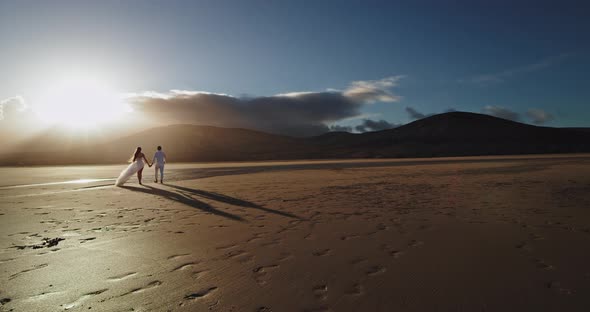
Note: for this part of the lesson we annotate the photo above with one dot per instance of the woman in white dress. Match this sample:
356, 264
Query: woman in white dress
136, 166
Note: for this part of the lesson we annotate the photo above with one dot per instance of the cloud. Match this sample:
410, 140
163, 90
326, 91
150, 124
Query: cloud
375, 125
339, 128
17, 120
16, 114
295, 113
501, 112
502, 76
13, 108
539, 116
415, 115
370, 91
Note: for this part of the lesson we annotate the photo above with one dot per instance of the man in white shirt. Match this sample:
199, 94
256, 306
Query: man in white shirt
159, 159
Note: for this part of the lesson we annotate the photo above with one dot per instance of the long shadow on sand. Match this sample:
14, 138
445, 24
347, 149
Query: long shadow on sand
183, 199
187, 195
230, 200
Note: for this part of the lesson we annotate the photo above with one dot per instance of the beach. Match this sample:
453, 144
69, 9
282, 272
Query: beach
504, 233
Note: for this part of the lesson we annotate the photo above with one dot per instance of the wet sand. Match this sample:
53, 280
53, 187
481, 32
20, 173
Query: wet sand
452, 234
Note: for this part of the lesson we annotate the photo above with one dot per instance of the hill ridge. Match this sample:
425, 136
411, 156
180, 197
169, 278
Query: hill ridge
447, 134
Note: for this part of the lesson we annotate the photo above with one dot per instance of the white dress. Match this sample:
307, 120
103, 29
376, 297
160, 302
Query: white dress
132, 169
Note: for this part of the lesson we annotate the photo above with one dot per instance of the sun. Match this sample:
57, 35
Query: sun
80, 102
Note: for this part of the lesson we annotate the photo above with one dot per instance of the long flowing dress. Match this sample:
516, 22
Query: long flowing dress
132, 169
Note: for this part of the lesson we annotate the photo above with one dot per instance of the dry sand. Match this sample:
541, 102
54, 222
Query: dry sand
464, 234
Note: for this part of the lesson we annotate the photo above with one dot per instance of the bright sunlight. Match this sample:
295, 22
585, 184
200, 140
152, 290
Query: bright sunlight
80, 102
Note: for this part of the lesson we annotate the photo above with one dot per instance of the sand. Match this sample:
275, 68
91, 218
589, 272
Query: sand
455, 234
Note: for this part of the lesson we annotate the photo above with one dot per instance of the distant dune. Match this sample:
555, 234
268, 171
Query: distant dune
448, 134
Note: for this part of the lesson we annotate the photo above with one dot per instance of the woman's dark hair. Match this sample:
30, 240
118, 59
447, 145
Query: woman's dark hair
134, 156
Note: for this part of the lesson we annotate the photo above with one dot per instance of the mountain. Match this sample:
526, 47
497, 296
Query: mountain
448, 134
460, 134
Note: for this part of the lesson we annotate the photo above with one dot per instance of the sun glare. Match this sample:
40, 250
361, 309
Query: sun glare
80, 102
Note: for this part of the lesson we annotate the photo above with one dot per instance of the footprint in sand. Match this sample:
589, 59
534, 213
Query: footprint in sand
83, 298
382, 227
218, 226
359, 261
200, 294
261, 273
142, 289
541, 264
284, 229
276, 241
235, 253
198, 274
246, 258
84, 240
323, 252
227, 247
37, 267
375, 270
294, 223
321, 292
396, 253
6, 260
121, 277
43, 295
349, 237
184, 266
356, 290
255, 238
284, 256
415, 243
177, 256
240, 255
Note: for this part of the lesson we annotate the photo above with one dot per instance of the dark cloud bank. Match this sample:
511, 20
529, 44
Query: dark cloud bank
415, 115
296, 114
539, 116
533, 115
375, 125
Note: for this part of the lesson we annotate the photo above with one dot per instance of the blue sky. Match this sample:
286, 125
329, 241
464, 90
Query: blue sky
463, 55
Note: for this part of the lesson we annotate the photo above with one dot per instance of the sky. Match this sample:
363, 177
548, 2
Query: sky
300, 67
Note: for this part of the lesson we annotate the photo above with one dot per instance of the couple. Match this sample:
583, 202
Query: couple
137, 165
